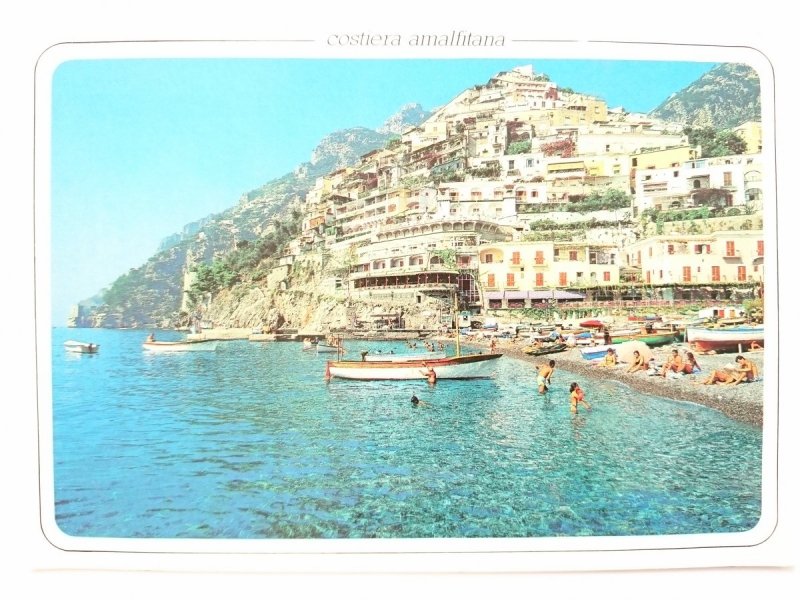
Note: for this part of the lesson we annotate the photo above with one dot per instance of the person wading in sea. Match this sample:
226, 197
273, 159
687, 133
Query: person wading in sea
576, 396
429, 373
545, 373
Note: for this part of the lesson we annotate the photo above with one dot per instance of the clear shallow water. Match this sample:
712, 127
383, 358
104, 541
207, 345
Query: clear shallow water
251, 442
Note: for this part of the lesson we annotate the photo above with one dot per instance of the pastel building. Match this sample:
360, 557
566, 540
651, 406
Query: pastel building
518, 274
726, 181
423, 260
719, 257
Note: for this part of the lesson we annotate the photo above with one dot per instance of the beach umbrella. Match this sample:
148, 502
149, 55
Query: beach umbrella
625, 351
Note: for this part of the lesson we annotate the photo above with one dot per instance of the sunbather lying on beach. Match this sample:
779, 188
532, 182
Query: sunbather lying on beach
717, 376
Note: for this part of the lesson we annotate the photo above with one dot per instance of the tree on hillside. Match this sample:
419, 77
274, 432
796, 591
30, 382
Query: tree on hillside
715, 142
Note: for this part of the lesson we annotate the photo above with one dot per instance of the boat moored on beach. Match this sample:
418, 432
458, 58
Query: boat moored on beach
724, 339
544, 349
595, 352
655, 338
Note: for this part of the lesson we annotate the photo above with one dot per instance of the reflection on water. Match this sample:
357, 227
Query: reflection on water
251, 442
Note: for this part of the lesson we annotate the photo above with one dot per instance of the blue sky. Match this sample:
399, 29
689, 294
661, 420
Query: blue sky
142, 147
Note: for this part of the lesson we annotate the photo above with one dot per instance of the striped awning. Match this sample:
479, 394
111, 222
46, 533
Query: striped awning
494, 295
515, 295
555, 294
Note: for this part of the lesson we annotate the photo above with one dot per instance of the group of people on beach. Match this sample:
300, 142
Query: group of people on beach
676, 365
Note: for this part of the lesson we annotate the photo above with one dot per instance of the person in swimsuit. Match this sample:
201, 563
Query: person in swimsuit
690, 364
610, 359
545, 373
638, 363
429, 373
674, 364
576, 396
718, 376
745, 370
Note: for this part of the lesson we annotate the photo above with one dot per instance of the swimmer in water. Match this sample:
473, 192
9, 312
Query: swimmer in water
577, 397
416, 401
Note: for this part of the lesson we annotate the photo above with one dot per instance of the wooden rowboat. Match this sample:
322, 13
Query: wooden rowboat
724, 339
470, 366
183, 346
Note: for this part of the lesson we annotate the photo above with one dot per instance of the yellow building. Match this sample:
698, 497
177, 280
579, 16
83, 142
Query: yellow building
517, 274
751, 133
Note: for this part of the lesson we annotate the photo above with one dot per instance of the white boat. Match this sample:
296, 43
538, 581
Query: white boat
328, 348
183, 346
407, 357
724, 339
81, 347
470, 366
595, 352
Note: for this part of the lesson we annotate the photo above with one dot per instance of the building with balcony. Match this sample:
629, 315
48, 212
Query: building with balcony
716, 258
718, 182
517, 274
424, 260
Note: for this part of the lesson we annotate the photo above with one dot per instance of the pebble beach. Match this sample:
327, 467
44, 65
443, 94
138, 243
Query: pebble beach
743, 402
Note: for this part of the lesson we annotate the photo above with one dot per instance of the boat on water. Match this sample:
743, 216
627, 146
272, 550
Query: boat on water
468, 366
403, 357
724, 339
81, 347
181, 346
327, 348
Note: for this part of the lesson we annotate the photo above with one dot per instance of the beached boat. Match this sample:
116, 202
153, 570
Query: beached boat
182, 346
403, 357
81, 347
656, 338
595, 352
544, 349
470, 366
724, 339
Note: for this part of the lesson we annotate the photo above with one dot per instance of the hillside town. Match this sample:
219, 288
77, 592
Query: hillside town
521, 195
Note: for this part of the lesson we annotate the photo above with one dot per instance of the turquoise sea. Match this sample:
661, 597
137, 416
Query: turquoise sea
251, 442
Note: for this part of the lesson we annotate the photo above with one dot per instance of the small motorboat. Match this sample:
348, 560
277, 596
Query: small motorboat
81, 347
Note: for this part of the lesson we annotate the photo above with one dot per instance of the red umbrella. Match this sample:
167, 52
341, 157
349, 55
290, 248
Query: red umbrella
592, 323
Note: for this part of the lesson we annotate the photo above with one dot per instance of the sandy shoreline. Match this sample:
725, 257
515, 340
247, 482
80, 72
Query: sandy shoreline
742, 402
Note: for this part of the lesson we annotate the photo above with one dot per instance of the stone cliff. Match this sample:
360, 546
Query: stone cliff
308, 296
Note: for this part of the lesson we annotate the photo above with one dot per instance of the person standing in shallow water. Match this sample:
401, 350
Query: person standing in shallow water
429, 373
545, 373
576, 396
